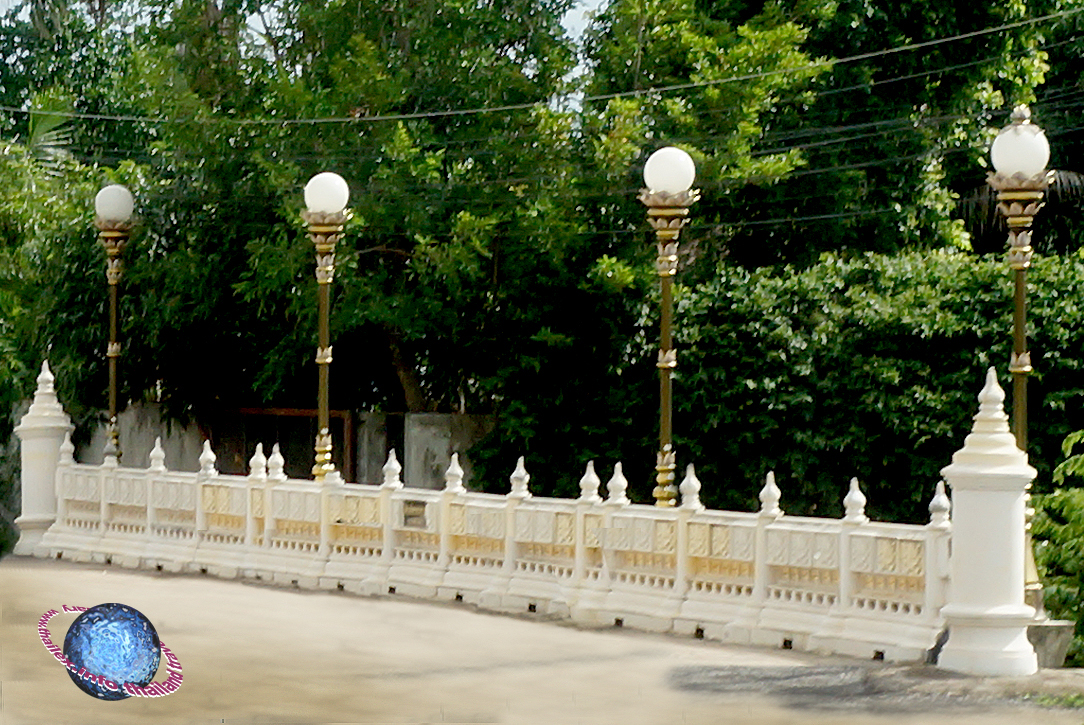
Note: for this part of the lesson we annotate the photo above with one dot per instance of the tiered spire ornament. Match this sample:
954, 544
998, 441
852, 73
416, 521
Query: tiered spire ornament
453, 477
158, 456
617, 488
940, 507
589, 484
207, 460
519, 480
257, 465
690, 490
986, 611
770, 496
391, 470
276, 465
854, 504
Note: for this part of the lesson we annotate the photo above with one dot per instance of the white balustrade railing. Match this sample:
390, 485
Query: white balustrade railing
845, 585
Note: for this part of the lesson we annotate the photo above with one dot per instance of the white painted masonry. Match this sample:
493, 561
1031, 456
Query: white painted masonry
849, 586
986, 614
40, 432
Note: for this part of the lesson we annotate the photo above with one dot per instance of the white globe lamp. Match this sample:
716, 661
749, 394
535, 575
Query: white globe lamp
326, 193
669, 170
114, 203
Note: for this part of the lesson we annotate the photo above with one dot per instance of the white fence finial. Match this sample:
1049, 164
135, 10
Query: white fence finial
990, 444
589, 484
392, 469
519, 479
67, 449
940, 506
854, 503
45, 407
690, 490
110, 454
45, 379
617, 487
257, 465
207, 460
276, 465
158, 456
770, 496
453, 477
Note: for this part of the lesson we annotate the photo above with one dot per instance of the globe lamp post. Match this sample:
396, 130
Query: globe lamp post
113, 208
326, 196
668, 176
1020, 154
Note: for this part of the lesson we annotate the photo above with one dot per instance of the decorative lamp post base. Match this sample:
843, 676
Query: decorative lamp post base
665, 491
323, 466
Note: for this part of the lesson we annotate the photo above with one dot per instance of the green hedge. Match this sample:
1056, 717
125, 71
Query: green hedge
865, 366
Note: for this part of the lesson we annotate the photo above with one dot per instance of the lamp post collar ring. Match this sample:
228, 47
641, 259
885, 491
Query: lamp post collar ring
666, 200
323, 221
1019, 182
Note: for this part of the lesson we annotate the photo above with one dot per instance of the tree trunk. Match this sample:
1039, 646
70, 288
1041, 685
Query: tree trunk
416, 399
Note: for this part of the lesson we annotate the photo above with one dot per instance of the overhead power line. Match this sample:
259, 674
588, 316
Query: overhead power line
537, 104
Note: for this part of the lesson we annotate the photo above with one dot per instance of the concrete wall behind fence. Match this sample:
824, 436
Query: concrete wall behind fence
425, 443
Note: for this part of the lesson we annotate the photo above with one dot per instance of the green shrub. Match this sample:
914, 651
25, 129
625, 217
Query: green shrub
864, 366
1058, 533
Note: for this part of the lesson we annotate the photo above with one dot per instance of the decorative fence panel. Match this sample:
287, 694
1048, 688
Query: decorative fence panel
846, 585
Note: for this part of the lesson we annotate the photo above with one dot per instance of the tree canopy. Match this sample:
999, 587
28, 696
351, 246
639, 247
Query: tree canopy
497, 259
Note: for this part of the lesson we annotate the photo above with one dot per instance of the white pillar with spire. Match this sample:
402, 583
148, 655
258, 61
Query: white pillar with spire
41, 433
986, 614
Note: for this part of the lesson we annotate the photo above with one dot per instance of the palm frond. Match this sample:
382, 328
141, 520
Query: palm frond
1064, 200
50, 138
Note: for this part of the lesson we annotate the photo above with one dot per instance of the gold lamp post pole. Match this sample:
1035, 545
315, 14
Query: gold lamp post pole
326, 195
113, 208
1020, 154
668, 175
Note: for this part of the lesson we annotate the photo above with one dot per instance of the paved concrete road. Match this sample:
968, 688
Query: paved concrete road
255, 654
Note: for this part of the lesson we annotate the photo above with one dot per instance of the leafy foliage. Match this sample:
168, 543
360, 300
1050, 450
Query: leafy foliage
861, 366
1058, 532
496, 260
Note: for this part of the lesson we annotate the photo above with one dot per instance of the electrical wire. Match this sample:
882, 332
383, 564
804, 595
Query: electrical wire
421, 115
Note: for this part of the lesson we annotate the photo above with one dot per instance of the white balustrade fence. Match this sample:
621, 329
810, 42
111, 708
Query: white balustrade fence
848, 585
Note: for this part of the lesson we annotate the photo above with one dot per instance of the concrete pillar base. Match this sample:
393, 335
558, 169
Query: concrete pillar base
991, 644
31, 531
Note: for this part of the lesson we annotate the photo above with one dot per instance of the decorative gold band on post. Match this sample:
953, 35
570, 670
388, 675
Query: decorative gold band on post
1020, 362
113, 270
665, 491
323, 465
667, 262
325, 268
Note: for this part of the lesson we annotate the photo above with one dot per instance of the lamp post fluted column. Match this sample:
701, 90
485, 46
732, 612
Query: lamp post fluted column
113, 208
669, 174
1020, 154
325, 195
